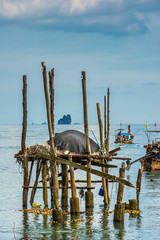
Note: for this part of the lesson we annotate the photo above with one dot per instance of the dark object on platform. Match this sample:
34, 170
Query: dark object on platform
74, 141
65, 120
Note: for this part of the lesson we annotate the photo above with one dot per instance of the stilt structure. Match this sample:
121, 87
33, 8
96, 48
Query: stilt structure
45, 159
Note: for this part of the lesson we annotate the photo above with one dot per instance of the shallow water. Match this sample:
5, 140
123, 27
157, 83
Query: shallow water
15, 224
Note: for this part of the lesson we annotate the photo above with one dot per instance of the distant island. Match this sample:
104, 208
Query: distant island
65, 120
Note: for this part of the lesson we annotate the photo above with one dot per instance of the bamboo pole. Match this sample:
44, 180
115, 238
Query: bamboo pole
23, 142
102, 147
54, 173
44, 182
51, 90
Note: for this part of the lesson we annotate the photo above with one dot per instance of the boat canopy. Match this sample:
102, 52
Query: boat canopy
125, 134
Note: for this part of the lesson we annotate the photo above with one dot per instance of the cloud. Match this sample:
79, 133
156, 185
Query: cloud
108, 17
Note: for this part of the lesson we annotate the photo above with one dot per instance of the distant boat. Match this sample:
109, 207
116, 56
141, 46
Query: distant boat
123, 137
151, 160
43, 123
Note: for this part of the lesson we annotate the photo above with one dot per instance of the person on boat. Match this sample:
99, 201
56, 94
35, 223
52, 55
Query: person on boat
129, 129
119, 134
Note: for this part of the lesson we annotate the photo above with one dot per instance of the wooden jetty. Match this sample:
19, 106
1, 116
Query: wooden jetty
45, 160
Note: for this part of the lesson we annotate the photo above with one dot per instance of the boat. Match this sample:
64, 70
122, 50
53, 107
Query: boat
124, 137
151, 161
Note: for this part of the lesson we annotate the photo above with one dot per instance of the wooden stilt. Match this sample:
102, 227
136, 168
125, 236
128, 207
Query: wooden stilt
74, 201
121, 186
23, 142
107, 139
51, 90
138, 184
88, 196
119, 206
65, 184
54, 172
38, 171
44, 182
105, 130
102, 147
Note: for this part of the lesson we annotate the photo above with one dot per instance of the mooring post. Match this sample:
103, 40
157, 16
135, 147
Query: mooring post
88, 195
44, 182
23, 143
74, 201
138, 184
57, 214
102, 148
64, 198
119, 206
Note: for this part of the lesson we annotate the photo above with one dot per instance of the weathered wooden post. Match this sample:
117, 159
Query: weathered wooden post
57, 214
23, 143
64, 199
74, 201
107, 138
51, 90
119, 206
38, 171
105, 116
102, 148
108, 122
138, 184
44, 182
88, 195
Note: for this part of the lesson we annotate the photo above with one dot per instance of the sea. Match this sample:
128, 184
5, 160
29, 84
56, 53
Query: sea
17, 224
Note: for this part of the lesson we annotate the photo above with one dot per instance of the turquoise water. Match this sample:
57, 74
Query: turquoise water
15, 224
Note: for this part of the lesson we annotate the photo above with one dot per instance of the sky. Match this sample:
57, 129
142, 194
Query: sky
116, 42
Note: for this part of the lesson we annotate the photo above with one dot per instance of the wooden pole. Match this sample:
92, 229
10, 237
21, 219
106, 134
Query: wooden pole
23, 142
121, 186
107, 139
105, 131
119, 206
88, 194
54, 173
102, 147
38, 171
51, 90
44, 182
65, 182
108, 121
24, 126
74, 201
138, 184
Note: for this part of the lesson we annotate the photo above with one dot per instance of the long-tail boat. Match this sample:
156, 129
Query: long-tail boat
124, 137
151, 161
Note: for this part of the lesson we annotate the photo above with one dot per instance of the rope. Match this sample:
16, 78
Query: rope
98, 143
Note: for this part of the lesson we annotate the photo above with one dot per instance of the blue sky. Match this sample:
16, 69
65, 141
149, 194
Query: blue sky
117, 43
